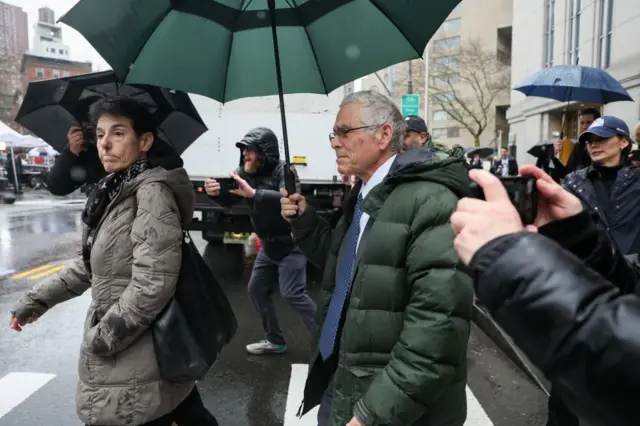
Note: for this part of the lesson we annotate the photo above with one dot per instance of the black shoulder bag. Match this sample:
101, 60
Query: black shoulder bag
192, 330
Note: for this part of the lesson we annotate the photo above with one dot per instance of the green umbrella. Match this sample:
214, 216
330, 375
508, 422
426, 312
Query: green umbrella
231, 49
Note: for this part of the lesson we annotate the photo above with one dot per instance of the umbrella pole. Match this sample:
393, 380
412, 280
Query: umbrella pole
289, 182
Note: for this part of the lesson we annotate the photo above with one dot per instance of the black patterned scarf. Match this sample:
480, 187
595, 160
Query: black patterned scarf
101, 196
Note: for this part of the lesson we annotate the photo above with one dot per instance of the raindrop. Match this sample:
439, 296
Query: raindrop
352, 52
262, 14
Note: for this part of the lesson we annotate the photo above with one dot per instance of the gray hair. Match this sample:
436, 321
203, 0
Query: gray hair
378, 109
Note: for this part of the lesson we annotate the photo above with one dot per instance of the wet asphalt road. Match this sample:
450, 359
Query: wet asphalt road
240, 390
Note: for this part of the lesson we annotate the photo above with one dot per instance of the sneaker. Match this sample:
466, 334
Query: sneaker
264, 347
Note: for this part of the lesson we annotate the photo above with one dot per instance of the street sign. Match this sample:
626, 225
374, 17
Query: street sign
410, 105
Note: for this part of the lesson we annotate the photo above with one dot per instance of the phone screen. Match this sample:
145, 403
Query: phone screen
522, 193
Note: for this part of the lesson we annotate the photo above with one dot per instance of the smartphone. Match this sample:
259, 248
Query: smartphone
522, 192
227, 184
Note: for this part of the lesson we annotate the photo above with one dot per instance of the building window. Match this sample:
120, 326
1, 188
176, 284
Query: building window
549, 32
441, 115
39, 72
445, 79
66, 73
444, 62
573, 42
606, 21
447, 43
445, 132
60, 51
452, 24
56, 73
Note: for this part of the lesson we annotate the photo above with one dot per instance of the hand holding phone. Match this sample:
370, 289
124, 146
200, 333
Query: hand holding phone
522, 192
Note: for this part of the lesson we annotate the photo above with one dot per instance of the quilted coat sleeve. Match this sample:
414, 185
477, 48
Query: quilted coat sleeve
71, 282
577, 327
432, 347
157, 256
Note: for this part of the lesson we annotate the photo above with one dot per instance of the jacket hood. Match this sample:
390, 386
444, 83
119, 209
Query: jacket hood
423, 164
265, 143
176, 179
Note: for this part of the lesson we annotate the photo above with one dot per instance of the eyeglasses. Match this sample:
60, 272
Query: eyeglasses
343, 132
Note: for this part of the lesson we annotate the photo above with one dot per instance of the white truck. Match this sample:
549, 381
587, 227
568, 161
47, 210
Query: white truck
310, 120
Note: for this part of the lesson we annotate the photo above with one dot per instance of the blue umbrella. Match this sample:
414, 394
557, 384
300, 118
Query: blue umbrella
567, 83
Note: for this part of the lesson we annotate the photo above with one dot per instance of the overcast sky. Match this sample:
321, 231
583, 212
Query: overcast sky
79, 48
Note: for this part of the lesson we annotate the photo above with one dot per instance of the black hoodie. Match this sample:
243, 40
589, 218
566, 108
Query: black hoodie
273, 230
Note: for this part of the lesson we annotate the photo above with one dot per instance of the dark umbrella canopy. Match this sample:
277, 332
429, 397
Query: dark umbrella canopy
541, 147
51, 107
224, 49
484, 152
567, 83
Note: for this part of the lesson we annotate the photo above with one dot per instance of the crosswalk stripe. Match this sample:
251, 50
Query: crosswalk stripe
476, 416
17, 387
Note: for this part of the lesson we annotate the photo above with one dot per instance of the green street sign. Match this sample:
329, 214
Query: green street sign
410, 105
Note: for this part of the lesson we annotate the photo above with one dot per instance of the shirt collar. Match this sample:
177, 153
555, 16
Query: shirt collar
377, 177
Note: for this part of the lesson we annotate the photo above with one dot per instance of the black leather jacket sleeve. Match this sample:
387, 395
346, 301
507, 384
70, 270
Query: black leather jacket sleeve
583, 237
577, 327
269, 199
71, 171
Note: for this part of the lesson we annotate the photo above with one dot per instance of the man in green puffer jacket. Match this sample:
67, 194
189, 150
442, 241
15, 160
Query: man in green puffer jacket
396, 304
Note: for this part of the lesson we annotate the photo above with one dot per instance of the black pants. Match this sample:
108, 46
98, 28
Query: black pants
190, 412
559, 413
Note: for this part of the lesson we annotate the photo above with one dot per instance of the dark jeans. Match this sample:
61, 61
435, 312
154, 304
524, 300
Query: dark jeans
190, 412
289, 276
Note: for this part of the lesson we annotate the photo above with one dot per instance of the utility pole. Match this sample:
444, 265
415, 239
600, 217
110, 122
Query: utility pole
410, 79
390, 80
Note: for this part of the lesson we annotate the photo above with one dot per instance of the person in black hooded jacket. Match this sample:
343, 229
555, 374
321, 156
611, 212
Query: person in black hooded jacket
280, 262
78, 164
574, 309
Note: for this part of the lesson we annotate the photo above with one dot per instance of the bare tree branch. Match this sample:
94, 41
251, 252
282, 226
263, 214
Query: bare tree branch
465, 82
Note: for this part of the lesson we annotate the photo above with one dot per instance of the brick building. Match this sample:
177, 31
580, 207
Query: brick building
41, 68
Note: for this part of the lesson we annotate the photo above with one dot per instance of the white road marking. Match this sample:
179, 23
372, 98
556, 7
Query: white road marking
294, 399
17, 387
476, 416
5, 272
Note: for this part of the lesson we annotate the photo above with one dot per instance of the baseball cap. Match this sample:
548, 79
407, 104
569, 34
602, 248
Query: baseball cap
606, 127
415, 124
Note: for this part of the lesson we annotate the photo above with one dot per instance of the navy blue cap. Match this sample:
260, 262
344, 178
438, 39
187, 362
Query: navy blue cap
415, 124
606, 127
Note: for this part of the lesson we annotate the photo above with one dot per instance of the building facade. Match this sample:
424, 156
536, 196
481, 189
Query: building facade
41, 68
475, 36
47, 37
598, 33
14, 42
486, 22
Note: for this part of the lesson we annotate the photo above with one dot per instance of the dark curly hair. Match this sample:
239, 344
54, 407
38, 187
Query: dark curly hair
142, 120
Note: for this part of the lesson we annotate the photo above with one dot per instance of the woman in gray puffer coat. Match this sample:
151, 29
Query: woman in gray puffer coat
131, 257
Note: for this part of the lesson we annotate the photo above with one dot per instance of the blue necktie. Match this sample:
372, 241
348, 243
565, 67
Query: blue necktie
344, 273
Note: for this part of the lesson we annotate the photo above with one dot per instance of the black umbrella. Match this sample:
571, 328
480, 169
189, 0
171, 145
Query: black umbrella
540, 149
51, 107
484, 152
